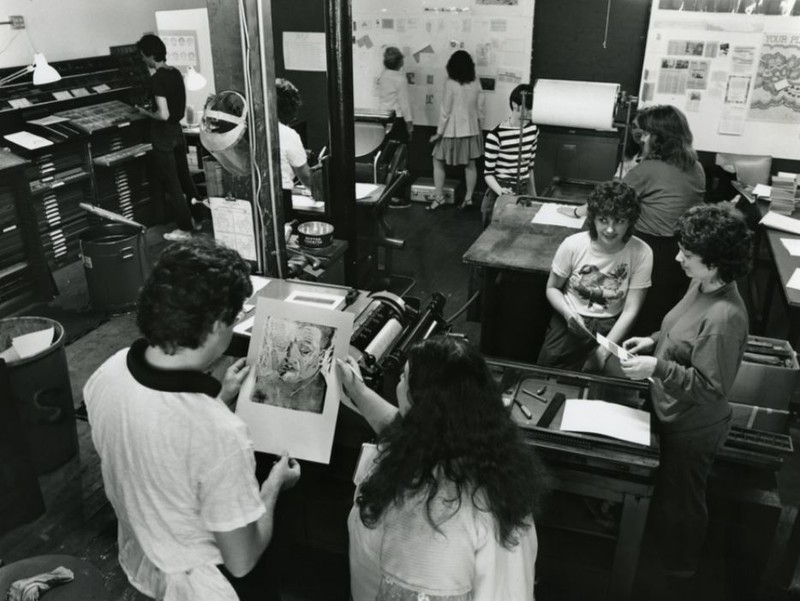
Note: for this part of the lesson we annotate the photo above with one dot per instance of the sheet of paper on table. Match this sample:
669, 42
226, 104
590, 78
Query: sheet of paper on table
792, 245
794, 281
780, 222
608, 419
548, 214
364, 190
762, 191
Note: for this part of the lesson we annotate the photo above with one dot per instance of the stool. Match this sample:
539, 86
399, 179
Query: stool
87, 585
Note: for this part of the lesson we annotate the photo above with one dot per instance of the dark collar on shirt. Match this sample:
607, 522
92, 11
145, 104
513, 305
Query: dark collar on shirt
168, 380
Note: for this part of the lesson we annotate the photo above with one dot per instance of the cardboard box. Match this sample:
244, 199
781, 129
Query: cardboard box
423, 187
766, 385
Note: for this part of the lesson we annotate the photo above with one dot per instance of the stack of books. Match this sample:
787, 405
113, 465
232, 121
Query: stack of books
784, 197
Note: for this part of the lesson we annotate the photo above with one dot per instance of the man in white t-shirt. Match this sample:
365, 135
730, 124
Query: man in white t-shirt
597, 282
178, 466
294, 160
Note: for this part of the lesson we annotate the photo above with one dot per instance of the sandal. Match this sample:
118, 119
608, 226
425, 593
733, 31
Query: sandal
436, 202
466, 204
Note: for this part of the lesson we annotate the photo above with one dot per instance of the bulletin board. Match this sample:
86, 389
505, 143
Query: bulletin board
497, 33
736, 76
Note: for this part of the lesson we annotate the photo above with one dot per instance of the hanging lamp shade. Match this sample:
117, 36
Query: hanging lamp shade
193, 80
42, 72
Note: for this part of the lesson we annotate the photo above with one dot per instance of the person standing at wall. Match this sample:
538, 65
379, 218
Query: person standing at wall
166, 135
393, 95
457, 140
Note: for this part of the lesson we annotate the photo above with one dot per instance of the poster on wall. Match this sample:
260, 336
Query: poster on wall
733, 66
182, 50
290, 399
498, 34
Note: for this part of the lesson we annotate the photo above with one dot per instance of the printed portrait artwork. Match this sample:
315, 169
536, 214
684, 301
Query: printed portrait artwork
292, 365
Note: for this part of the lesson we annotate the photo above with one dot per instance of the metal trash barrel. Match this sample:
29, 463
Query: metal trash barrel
41, 385
116, 265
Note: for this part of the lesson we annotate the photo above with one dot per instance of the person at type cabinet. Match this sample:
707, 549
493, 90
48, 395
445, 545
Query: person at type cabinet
294, 160
446, 512
457, 140
509, 152
166, 135
178, 466
696, 355
598, 282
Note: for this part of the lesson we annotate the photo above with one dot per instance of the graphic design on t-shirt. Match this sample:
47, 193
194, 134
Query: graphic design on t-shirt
599, 288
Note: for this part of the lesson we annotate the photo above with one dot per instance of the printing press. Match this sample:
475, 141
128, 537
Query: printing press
385, 325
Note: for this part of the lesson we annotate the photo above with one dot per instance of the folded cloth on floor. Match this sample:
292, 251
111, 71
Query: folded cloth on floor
29, 589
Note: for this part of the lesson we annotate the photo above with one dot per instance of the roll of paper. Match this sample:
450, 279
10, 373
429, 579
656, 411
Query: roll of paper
380, 344
585, 104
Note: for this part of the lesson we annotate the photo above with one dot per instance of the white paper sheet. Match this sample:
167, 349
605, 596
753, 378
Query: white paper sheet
290, 399
304, 51
364, 190
28, 140
608, 419
794, 281
792, 245
28, 345
781, 222
548, 215
258, 282
233, 225
762, 191
613, 347
315, 299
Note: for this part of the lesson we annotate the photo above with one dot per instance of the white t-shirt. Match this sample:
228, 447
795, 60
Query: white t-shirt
598, 282
292, 154
177, 466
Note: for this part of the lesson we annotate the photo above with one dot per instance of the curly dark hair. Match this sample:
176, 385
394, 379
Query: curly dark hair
720, 237
456, 430
613, 199
192, 285
460, 67
289, 100
152, 46
670, 136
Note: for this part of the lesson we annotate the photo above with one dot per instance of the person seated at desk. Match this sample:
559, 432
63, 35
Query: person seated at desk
178, 466
509, 152
598, 281
294, 160
669, 180
696, 355
447, 510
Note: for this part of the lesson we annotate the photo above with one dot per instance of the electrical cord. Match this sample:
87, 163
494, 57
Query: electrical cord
464, 307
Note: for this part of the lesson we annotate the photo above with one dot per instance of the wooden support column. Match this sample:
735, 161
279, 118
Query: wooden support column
244, 62
339, 26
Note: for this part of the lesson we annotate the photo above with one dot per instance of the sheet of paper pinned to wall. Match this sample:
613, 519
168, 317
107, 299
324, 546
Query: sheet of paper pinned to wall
304, 51
233, 225
548, 214
608, 419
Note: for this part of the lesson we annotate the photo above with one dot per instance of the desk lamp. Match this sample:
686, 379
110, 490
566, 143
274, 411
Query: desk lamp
42, 72
193, 80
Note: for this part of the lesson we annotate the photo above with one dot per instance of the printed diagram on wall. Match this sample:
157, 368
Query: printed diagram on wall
776, 93
735, 73
181, 48
498, 35
290, 399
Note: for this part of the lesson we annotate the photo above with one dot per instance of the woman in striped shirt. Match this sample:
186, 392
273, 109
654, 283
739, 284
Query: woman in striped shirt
509, 152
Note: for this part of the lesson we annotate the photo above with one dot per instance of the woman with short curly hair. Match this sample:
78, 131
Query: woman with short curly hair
696, 355
447, 510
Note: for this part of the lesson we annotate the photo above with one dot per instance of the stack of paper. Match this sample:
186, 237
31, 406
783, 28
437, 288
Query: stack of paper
784, 196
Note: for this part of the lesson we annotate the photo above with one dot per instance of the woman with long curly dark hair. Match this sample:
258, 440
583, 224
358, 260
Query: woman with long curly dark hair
447, 510
669, 180
696, 355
